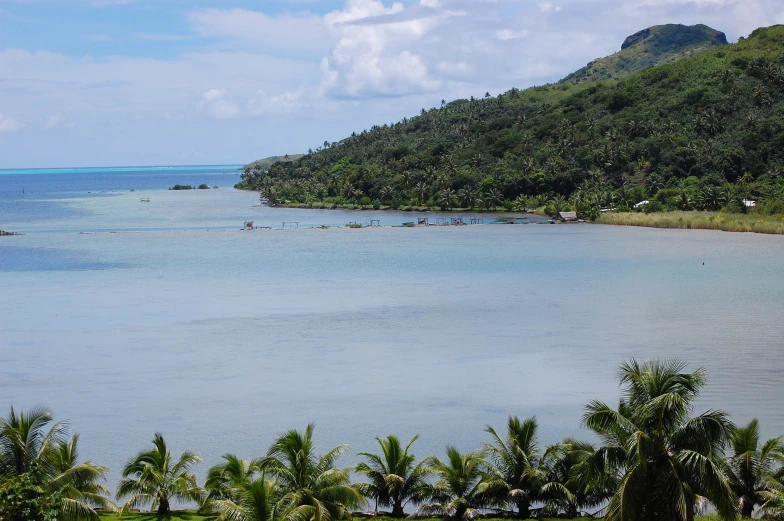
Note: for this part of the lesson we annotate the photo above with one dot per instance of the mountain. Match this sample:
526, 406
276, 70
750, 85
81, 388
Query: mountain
705, 131
653, 46
265, 163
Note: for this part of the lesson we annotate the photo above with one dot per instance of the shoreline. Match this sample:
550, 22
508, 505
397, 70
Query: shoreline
694, 220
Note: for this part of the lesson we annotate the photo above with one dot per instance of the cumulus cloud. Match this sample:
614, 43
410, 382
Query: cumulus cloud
214, 104
8, 125
366, 62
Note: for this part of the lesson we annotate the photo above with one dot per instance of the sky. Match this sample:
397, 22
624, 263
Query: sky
176, 82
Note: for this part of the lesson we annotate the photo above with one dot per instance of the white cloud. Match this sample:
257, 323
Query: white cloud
549, 7
253, 77
214, 104
304, 32
8, 125
54, 121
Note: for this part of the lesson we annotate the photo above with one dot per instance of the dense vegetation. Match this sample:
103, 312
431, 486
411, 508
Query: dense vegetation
650, 47
702, 133
655, 462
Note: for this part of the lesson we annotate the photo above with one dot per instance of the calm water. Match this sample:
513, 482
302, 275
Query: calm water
222, 339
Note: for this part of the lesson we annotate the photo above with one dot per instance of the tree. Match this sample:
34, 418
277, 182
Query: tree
249, 501
151, 478
573, 481
222, 480
312, 488
514, 475
457, 491
23, 497
395, 479
666, 459
24, 440
47, 459
447, 198
78, 483
751, 466
422, 190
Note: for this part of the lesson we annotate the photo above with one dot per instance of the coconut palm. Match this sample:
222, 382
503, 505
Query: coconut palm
313, 489
458, 490
26, 444
573, 481
514, 475
773, 495
24, 439
447, 197
223, 479
79, 483
422, 191
751, 465
249, 501
667, 460
395, 479
152, 478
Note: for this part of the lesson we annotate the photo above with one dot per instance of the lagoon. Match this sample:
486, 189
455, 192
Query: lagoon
222, 339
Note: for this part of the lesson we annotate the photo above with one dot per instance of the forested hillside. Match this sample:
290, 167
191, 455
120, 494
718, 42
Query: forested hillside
704, 132
650, 47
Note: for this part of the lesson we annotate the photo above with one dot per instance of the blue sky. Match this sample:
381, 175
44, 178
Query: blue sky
145, 82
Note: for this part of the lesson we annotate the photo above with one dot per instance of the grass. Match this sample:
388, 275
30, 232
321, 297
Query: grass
181, 515
772, 224
192, 516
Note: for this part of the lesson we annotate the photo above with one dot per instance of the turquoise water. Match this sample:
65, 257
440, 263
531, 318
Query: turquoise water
222, 339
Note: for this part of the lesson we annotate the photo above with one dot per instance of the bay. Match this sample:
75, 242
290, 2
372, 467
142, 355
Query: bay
223, 339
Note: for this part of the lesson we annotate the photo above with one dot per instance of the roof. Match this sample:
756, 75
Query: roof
568, 215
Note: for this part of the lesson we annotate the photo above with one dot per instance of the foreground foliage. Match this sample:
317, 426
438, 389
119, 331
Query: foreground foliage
153, 478
39, 474
656, 462
668, 460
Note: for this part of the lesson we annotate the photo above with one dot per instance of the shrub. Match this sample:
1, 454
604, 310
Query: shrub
204, 186
181, 187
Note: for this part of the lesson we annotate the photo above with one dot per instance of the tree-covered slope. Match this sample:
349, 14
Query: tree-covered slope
702, 132
264, 164
650, 47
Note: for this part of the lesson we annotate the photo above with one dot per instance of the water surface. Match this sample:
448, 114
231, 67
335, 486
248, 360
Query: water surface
223, 339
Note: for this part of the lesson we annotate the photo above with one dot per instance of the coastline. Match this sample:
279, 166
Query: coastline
744, 223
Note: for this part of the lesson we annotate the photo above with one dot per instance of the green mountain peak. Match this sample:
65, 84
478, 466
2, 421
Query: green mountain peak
650, 47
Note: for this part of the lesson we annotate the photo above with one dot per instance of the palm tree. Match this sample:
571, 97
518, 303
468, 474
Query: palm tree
514, 475
750, 466
666, 459
773, 495
387, 193
520, 204
223, 479
494, 198
313, 489
249, 501
23, 440
573, 481
422, 190
447, 198
395, 479
78, 482
458, 490
26, 445
466, 196
150, 477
